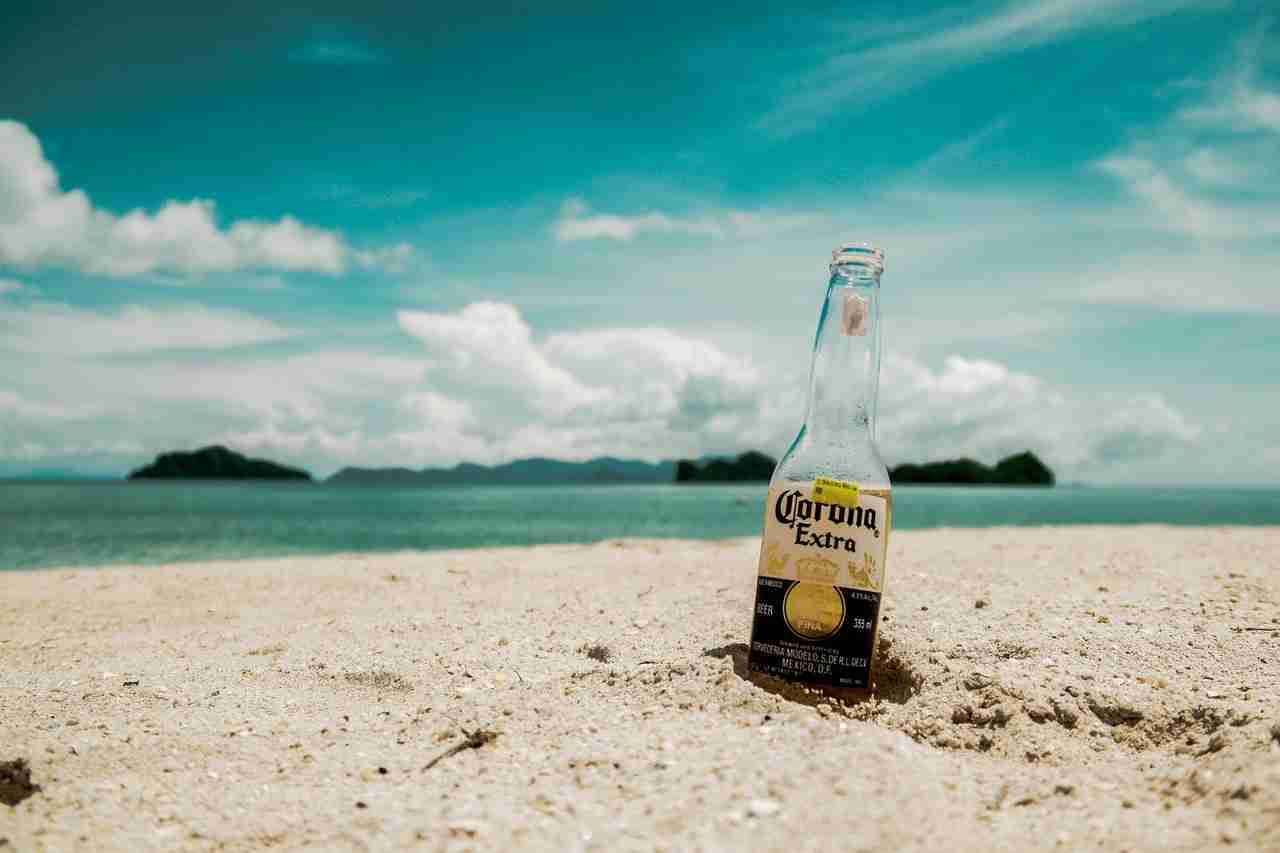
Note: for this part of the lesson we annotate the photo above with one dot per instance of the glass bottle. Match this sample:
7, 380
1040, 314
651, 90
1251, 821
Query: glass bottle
826, 525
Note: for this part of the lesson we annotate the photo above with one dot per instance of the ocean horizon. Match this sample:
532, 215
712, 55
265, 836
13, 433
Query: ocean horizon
47, 524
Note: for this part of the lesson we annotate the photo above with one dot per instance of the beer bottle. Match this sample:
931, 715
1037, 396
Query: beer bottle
826, 522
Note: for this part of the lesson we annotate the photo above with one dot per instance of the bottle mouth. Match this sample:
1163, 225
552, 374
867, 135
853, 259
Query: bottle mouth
857, 258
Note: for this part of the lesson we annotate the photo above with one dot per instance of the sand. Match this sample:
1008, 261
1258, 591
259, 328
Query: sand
1068, 688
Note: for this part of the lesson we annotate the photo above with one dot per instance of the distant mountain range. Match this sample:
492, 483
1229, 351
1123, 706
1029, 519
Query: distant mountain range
219, 463
537, 471
57, 475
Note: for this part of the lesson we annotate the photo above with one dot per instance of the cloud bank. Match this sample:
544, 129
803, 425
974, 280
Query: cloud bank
479, 384
52, 328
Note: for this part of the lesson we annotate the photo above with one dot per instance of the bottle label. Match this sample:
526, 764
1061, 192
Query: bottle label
819, 583
853, 319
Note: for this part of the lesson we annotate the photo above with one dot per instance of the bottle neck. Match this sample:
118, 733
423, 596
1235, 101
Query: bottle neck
845, 375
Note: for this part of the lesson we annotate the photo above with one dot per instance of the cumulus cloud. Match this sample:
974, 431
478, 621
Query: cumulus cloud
42, 224
62, 329
981, 408
598, 389
578, 222
488, 348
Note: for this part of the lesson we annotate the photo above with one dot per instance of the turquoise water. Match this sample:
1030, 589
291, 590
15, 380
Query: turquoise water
82, 524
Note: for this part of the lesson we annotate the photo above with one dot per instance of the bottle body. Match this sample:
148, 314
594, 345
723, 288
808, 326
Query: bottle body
826, 526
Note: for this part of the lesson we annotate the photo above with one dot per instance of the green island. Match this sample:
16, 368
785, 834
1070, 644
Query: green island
215, 463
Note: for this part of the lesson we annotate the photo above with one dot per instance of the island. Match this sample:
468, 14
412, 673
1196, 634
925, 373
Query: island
522, 472
750, 467
215, 463
1022, 469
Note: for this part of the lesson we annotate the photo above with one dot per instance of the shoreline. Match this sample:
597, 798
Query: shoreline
1105, 694
618, 541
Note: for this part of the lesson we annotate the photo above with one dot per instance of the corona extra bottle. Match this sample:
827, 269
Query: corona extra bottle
826, 523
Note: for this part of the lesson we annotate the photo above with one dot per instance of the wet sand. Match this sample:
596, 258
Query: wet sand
1039, 688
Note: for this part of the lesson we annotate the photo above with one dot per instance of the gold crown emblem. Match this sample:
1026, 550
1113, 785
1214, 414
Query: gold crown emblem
818, 569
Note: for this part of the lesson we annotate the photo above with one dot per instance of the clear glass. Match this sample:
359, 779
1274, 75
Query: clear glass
838, 436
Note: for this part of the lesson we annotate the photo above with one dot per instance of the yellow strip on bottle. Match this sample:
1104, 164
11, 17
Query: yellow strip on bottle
838, 492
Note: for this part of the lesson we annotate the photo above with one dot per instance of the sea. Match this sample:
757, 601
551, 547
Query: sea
47, 524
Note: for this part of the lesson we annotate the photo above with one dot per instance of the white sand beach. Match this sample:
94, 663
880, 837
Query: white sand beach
1040, 688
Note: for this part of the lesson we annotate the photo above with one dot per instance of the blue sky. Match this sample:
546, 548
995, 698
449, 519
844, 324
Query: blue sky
417, 236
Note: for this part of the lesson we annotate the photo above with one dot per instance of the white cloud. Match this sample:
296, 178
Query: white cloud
689, 381
16, 405
1208, 281
1178, 209
1208, 171
393, 259
1212, 167
437, 409
330, 407
1238, 100
577, 222
641, 391
62, 329
981, 408
1258, 107
489, 348
878, 65
43, 225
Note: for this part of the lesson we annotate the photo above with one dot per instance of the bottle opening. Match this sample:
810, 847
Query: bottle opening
858, 257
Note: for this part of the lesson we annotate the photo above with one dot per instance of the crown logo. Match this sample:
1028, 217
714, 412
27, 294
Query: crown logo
818, 569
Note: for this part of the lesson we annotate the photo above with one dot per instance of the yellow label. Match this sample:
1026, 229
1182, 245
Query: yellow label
839, 492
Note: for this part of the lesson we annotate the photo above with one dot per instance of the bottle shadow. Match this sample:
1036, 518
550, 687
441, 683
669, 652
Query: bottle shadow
894, 679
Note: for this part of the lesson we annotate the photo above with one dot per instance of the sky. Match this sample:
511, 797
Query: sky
418, 235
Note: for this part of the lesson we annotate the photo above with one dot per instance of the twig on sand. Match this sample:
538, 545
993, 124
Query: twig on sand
1249, 628
474, 740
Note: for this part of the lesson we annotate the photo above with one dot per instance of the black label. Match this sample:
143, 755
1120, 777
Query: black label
841, 658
